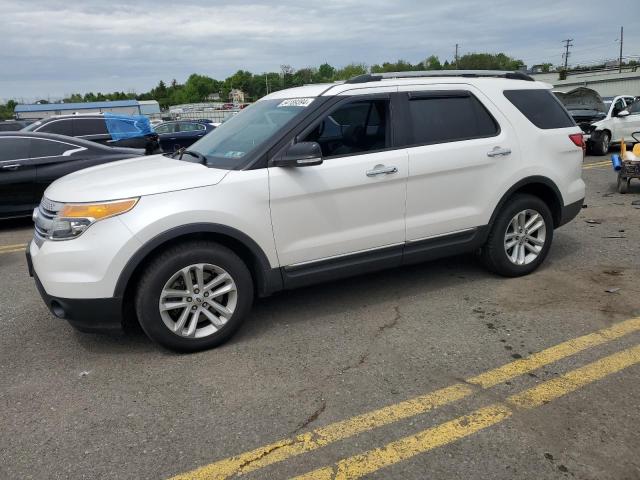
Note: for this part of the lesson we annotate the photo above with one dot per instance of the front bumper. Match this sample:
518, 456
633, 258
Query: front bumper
84, 314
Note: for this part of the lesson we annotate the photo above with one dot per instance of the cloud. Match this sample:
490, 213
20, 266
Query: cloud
54, 47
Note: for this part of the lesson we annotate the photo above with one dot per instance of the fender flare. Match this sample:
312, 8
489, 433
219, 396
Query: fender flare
535, 179
268, 279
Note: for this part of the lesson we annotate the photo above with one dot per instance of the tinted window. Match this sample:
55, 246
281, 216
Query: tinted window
541, 107
61, 127
446, 119
48, 148
89, 126
358, 127
10, 126
166, 128
14, 148
190, 127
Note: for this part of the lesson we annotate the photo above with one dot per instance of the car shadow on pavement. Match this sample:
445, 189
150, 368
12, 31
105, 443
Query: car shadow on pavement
16, 223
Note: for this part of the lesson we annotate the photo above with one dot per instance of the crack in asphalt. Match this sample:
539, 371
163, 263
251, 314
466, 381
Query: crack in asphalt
313, 417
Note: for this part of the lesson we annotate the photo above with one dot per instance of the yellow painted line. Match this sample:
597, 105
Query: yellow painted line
405, 448
12, 251
17, 246
320, 437
589, 166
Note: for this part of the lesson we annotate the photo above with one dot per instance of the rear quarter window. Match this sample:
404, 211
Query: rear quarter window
540, 107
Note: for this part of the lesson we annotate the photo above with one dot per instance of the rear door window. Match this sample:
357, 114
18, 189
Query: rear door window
60, 127
540, 107
49, 148
191, 127
89, 126
14, 148
438, 117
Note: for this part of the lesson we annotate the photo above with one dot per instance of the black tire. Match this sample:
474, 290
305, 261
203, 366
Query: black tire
600, 144
623, 184
493, 253
164, 266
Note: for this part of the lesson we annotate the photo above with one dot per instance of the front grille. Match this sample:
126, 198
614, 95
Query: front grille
46, 212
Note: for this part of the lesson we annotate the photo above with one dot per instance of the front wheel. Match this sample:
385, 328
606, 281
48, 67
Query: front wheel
520, 237
194, 296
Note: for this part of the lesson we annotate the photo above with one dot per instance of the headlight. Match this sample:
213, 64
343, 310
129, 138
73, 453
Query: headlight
74, 218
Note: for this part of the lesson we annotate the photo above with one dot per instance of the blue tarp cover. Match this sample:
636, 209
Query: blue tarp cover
127, 126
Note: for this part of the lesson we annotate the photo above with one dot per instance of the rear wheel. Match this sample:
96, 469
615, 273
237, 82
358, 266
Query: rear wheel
623, 184
520, 237
194, 296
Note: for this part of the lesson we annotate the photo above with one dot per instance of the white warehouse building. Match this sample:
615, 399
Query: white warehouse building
150, 108
606, 83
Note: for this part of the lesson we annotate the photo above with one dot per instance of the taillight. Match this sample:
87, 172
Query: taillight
578, 141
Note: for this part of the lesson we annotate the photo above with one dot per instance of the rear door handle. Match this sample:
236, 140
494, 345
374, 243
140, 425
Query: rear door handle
499, 152
13, 166
381, 170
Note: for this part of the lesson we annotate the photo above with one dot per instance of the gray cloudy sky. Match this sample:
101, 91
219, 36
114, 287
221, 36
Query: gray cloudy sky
52, 48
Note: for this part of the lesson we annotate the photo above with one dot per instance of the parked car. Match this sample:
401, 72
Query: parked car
133, 131
13, 125
182, 133
308, 185
29, 162
605, 121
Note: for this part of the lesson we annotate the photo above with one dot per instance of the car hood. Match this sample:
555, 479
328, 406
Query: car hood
133, 177
582, 99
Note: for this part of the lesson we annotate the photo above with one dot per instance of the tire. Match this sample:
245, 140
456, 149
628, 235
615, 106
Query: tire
623, 184
600, 145
498, 258
164, 283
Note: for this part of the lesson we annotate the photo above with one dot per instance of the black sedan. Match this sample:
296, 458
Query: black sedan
181, 133
29, 162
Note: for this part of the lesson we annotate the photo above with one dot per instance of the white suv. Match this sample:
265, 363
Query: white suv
307, 185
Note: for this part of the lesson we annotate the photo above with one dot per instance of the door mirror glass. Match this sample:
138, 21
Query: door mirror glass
302, 154
622, 113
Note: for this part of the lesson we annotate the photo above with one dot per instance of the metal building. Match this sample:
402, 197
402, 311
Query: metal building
606, 83
125, 107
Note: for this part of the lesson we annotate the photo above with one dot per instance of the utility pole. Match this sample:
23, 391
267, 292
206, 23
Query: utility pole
568, 44
620, 59
456, 56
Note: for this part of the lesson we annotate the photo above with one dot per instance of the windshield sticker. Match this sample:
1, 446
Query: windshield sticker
296, 102
233, 154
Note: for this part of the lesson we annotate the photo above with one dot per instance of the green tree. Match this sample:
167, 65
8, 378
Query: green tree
350, 71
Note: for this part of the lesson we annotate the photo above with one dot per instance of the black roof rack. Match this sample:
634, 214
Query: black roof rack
374, 77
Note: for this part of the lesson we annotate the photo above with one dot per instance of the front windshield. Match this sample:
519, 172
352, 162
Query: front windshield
229, 144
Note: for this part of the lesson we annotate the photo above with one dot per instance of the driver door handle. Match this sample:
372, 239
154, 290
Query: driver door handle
381, 170
499, 152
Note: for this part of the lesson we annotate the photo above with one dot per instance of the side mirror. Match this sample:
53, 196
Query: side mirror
623, 113
303, 154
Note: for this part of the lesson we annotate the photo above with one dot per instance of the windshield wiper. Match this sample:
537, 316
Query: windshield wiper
192, 153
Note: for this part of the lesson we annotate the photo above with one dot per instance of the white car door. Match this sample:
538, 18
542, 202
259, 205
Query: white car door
619, 125
460, 146
354, 202
632, 122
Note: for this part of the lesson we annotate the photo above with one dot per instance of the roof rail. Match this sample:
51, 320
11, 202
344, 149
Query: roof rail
374, 77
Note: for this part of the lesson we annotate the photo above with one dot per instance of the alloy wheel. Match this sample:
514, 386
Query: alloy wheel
525, 237
198, 300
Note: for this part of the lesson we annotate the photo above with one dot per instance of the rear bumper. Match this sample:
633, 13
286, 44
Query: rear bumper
84, 314
569, 212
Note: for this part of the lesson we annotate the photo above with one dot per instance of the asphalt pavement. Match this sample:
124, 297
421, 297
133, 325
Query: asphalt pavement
439, 371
